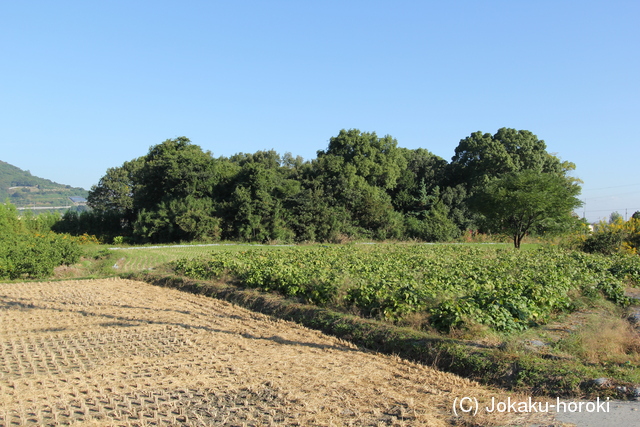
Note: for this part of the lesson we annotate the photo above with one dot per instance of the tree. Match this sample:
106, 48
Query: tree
481, 157
518, 201
615, 217
259, 206
185, 219
357, 173
171, 170
113, 195
316, 217
378, 160
424, 171
430, 220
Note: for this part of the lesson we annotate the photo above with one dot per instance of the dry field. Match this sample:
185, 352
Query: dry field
122, 353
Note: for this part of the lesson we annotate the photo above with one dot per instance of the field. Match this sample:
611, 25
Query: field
545, 321
138, 258
118, 352
451, 286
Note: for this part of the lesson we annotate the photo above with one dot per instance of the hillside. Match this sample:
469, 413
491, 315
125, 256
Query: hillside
23, 189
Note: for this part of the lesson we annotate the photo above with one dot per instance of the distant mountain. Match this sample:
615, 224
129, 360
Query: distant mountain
25, 190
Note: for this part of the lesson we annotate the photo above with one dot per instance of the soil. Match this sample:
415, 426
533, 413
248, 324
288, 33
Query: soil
123, 353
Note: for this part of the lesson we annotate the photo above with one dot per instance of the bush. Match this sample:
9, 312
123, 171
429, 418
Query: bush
27, 253
432, 226
617, 236
606, 243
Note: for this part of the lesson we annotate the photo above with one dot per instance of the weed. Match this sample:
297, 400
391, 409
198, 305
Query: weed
604, 339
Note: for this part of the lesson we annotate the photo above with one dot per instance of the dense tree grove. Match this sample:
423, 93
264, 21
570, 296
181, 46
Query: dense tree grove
360, 186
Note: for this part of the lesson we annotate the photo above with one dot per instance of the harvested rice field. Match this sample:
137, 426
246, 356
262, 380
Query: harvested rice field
123, 353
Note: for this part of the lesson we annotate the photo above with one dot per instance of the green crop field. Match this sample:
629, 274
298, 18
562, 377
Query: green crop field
504, 289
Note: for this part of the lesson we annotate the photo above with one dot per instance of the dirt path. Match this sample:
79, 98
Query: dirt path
116, 352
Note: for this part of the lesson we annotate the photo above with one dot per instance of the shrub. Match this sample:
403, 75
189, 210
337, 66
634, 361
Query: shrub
432, 226
616, 236
28, 253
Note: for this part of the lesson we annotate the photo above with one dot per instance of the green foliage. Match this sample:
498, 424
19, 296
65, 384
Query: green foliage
40, 223
28, 251
106, 224
479, 158
616, 236
316, 218
185, 219
377, 160
429, 221
304, 276
455, 285
615, 217
360, 187
357, 172
114, 192
258, 201
423, 174
171, 170
517, 202
602, 242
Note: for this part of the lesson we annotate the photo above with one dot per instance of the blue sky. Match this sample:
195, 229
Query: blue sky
89, 85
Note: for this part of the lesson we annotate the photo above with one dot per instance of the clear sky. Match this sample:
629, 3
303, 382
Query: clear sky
88, 85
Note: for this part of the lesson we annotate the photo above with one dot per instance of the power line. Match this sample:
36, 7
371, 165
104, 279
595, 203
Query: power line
613, 210
611, 195
606, 188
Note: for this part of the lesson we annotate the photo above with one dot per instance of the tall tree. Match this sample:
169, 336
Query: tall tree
519, 201
357, 172
175, 168
424, 172
377, 160
615, 217
481, 157
113, 195
259, 207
